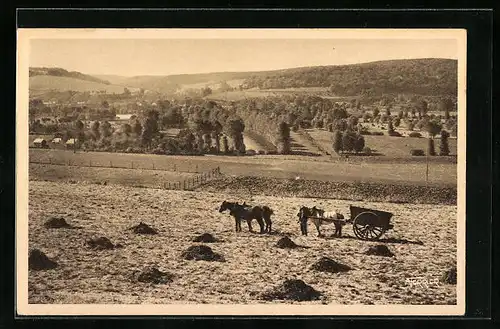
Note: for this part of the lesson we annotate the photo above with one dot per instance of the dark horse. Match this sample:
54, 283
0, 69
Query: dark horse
247, 212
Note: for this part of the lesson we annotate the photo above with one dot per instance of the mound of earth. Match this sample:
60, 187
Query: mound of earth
205, 237
102, 243
450, 276
153, 275
56, 222
296, 290
143, 228
39, 261
286, 243
379, 250
326, 264
202, 253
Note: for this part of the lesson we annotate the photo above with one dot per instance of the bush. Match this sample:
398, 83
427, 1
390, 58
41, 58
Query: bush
394, 133
430, 147
417, 152
415, 134
262, 152
251, 152
367, 150
377, 133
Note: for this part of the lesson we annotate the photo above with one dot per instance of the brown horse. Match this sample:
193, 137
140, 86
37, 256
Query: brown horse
248, 213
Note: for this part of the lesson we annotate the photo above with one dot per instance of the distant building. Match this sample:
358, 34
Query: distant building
57, 140
72, 143
123, 116
40, 142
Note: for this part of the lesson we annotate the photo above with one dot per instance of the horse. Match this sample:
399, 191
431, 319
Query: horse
328, 217
304, 214
248, 213
320, 217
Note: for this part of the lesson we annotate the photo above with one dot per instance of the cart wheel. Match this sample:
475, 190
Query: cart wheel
364, 227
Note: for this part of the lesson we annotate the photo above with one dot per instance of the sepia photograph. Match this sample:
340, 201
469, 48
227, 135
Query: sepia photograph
241, 171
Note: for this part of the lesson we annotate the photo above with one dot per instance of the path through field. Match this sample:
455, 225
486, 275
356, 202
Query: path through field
423, 241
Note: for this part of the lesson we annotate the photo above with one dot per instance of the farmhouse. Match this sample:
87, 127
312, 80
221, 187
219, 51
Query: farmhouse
72, 143
40, 142
57, 140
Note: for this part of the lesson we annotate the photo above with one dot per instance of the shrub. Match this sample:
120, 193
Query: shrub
394, 133
367, 150
359, 143
417, 152
444, 148
337, 141
430, 147
377, 133
415, 134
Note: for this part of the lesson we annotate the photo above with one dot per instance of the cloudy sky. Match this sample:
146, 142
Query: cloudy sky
130, 57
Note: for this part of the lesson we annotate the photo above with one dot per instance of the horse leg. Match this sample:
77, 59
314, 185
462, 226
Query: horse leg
236, 223
249, 222
317, 227
261, 224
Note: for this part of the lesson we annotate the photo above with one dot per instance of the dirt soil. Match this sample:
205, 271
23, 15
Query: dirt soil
153, 275
38, 261
56, 222
379, 250
253, 263
286, 243
143, 228
296, 290
205, 237
201, 252
326, 264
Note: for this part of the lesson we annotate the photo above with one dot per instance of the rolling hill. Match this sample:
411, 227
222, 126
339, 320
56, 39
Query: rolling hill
59, 83
429, 76
60, 72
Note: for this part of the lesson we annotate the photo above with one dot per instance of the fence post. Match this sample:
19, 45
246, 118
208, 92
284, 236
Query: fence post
153, 165
196, 168
90, 163
110, 164
175, 167
132, 164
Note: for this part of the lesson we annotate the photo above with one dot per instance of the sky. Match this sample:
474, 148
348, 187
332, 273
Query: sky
131, 57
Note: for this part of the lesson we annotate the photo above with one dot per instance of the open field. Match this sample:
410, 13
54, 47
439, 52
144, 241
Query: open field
48, 82
257, 93
388, 146
112, 176
310, 168
89, 276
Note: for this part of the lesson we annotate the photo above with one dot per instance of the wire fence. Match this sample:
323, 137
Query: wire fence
191, 183
121, 164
